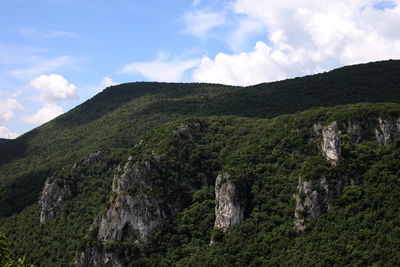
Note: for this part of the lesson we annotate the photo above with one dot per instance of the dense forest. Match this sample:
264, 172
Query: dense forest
267, 137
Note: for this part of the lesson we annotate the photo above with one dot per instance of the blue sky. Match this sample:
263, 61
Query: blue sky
55, 54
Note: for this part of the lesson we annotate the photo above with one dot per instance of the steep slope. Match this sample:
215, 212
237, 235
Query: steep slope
120, 114
265, 168
2, 140
238, 182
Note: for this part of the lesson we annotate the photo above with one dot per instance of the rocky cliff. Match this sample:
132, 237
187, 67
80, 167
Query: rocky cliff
315, 197
61, 186
134, 213
229, 210
331, 143
53, 197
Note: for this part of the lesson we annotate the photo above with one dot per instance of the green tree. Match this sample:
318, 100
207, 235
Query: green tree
4, 252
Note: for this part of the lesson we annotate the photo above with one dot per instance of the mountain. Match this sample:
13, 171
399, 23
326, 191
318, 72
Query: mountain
151, 173
3, 140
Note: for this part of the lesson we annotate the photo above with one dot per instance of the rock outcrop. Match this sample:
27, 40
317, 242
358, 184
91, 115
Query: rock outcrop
135, 212
387, 130
229, 210
315, 197
331, 143
378, 129
56, 190
53, 197
132, 215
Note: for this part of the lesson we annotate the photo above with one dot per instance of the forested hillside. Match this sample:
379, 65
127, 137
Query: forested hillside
167, 143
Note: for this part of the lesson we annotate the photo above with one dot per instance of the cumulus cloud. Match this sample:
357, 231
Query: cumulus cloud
162, 69
48, 112
53, 87
307, 36
8, 107
106, 82
6, 133
199, 22
246, 28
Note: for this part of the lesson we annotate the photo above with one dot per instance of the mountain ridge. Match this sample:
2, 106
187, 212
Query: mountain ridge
119, 119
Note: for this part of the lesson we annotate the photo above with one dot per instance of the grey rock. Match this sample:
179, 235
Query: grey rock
135, 212
314, 198
228, 209
53, 197
92, 256
331, 143
387, 130
55, 192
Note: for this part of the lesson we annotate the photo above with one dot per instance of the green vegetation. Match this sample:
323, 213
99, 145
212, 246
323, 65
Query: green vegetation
262, 135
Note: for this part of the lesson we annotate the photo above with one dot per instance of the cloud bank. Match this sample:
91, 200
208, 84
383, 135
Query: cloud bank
307, 36
6, 133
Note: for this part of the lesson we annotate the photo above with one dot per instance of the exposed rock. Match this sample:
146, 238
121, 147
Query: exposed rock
56, 191
228, 209
134, 214
331, 143
314, 198
311, 201
387, 130
93, 256
52, 198
379, 129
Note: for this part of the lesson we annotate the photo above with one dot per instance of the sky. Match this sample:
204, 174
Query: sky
56, 54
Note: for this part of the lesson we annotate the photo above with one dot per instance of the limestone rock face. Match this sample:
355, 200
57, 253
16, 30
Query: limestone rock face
314, 198
134, 213
132, 216
387, 130
311, 200
331, 143
228, 209
55, 192
92, 256
52, 198
375, 129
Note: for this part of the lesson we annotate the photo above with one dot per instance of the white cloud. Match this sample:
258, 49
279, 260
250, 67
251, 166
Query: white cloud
48, 112
6, 133
38, 35
306, 36
199, 23
196, 3
8, 107
162, 69
242, 69
41, 66
53, 87
106, 82
246, 28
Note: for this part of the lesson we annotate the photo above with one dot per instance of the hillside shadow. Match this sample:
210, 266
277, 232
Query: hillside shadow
22, 192
115, 96
16, 148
